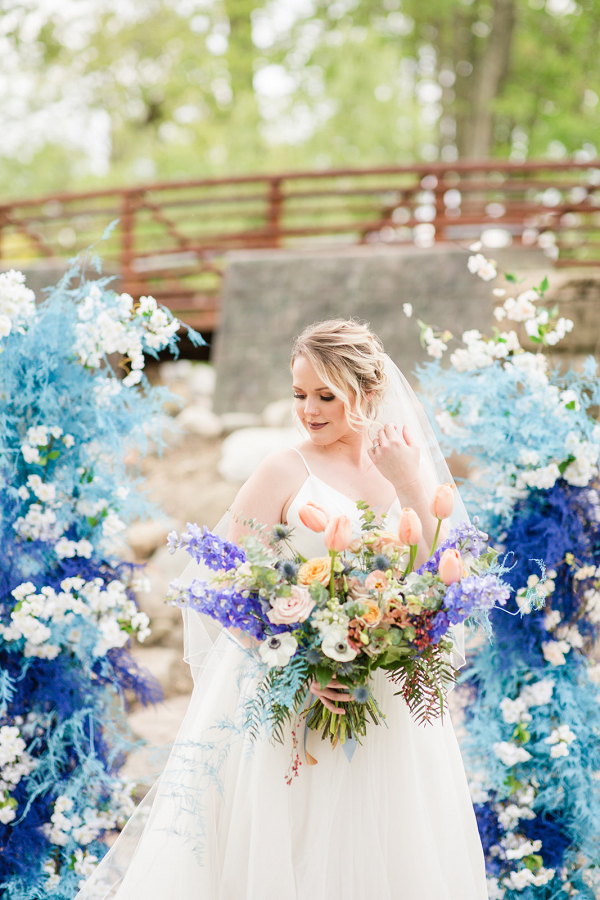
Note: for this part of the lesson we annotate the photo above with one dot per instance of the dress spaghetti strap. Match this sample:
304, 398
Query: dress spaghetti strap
303, 460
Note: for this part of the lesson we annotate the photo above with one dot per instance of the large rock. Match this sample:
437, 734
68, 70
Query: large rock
244, 450
197, 419
146, 537
278, 414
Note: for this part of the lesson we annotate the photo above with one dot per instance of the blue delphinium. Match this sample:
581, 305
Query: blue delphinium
208, 548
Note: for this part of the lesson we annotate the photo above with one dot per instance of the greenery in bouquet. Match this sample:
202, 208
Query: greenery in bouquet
340, 617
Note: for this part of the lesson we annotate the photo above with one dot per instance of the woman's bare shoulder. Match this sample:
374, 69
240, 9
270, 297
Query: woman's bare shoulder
277, 477
282, 466
265, 494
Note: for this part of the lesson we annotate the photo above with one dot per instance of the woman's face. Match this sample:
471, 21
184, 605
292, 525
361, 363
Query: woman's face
320, 411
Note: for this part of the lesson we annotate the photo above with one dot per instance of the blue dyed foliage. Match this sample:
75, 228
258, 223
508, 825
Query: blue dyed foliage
532, 712
66, 599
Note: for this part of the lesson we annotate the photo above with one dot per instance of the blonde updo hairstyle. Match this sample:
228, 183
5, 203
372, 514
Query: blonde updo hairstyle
350, 360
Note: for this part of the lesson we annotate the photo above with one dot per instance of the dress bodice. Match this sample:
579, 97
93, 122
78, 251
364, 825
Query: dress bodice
314, 490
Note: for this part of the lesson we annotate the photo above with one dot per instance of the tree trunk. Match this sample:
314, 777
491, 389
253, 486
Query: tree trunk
475, 139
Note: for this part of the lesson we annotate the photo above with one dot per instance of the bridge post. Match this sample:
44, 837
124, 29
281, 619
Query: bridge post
127, 231
274, 212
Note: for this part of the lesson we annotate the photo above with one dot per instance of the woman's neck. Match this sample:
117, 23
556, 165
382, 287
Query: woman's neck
351, 447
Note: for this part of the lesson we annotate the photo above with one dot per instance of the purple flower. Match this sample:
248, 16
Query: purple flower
474, 592
208, 548
440, 626
467, 536
229, 608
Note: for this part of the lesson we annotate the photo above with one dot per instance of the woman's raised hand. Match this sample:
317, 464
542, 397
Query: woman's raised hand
396, 456
333, 691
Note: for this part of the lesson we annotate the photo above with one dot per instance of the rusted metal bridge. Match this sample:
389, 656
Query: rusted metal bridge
172, 237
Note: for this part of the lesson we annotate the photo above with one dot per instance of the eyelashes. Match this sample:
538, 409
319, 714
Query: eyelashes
303, 397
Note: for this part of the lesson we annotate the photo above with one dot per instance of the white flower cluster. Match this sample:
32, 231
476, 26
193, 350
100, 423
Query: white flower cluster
15, 764
560, 739
332, 623
92, 821
523, 878
477, 791
568, 637
17, 302
494, 890
66, 549
592, 605
479, 265
515, 847
434, 344
38, 524
121, 328
510, 754
580, 470
39, 442
522, 309
537, 694
48, 615
480, 353
583, 468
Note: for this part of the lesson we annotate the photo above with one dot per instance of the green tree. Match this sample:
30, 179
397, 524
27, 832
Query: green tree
106, 92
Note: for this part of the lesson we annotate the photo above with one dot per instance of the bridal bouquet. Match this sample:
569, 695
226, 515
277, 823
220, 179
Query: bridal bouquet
342, 616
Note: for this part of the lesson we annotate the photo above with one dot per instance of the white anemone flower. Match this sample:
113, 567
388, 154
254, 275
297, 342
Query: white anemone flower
278, 649
335, 645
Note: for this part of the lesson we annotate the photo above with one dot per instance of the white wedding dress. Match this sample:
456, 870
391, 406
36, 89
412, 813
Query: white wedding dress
222, 823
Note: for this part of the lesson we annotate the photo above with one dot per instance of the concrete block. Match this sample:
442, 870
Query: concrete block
269, 296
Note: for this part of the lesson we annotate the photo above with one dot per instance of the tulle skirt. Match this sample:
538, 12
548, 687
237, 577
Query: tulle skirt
222, 823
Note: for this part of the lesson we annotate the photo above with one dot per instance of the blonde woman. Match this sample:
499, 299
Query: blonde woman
394, 823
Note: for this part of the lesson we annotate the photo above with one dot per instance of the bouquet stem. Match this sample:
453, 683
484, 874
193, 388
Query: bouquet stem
332, 554
339, 727
435, 537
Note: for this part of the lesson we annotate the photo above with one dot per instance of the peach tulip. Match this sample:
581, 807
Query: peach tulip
338, 533
313, 516
450, 568
443, 501
410, 529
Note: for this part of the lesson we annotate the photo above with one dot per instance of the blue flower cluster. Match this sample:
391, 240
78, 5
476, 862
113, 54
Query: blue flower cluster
206, 547
465, 535
441, 624
230, 608
474, 592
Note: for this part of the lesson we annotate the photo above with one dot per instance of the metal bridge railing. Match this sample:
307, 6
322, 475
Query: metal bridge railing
172, 237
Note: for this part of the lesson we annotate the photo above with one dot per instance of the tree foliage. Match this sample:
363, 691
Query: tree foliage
105, 91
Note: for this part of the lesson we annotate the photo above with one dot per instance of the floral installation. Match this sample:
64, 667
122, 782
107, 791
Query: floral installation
67, 599
497, 376
345, 615
532, 695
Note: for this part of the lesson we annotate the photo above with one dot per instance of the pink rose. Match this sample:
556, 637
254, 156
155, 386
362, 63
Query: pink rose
296, 608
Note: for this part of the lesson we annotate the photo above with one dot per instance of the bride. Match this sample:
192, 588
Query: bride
225, 821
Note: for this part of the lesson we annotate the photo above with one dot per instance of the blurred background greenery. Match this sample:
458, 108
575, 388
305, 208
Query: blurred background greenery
115, 92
